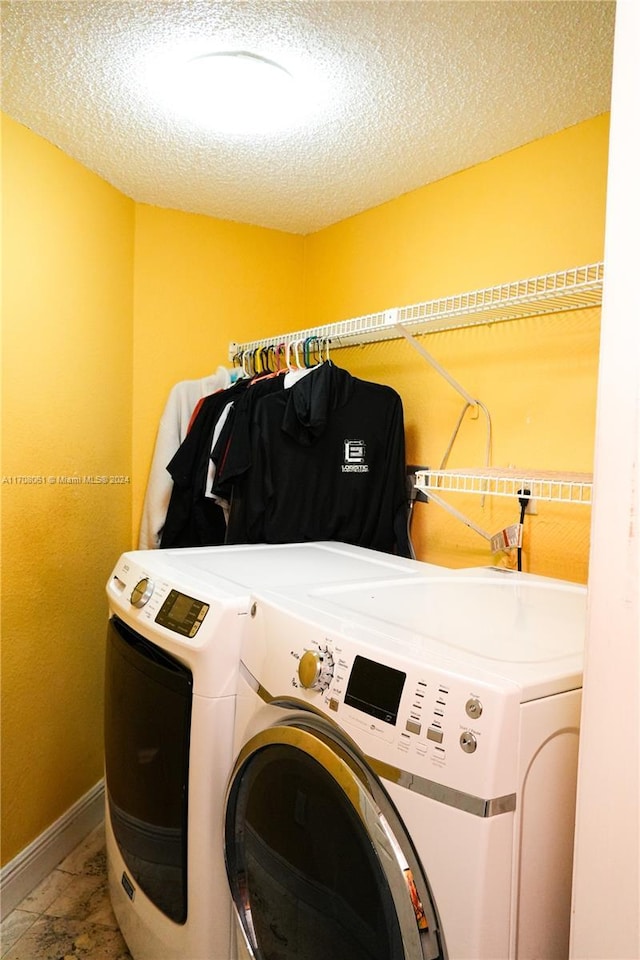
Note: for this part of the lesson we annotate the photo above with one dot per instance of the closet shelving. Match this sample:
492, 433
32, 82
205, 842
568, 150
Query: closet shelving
507, 482
573, 289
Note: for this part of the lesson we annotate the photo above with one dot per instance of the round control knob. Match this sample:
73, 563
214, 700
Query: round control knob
468, 742
315, 669
473, 708
142, 591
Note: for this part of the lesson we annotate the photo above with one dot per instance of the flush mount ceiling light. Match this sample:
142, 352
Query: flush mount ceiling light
229, 92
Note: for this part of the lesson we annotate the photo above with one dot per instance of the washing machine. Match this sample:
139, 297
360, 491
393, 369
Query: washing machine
405, 767
176, 618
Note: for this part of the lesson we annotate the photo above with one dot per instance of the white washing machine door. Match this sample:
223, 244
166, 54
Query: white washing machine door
318, 860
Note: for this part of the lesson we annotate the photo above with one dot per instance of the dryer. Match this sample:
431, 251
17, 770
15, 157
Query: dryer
404, 780
175, 625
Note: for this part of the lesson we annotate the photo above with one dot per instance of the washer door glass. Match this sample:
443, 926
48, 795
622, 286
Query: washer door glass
318, 861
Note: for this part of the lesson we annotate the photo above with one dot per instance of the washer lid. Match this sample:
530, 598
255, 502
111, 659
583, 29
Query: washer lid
497, 620
527, 629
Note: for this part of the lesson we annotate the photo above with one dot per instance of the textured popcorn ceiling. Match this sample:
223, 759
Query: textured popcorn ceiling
409, 93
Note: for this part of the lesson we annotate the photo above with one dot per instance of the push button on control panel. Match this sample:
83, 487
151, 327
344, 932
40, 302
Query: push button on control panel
434, 734
473, 708
468, 742
412, 726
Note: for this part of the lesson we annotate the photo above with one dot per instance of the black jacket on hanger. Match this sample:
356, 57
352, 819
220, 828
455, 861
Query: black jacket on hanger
327, 463
232, 452
193, 519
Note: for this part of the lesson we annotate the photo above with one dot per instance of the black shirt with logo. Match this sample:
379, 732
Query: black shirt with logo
326, 461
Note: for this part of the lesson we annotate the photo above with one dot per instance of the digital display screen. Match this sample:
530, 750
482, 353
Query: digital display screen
375, 689
182, 614
180, 608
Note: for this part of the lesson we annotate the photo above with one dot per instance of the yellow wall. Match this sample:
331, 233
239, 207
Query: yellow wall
107, 303
66, 413
534, 210
199, 283
89, 355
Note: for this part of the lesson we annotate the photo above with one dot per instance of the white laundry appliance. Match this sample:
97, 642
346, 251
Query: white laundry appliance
176, 621
404, 781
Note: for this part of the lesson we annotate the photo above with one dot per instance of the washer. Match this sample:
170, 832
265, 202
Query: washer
176, 621
404, 781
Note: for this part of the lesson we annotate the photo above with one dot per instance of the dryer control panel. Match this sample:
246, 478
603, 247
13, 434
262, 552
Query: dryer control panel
199, 623
133, 591
182, 614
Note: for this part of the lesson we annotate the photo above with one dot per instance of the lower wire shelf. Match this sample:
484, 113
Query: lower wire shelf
509, 482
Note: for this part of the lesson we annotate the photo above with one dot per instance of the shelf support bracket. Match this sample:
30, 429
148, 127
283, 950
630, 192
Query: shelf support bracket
457, 514
439, 369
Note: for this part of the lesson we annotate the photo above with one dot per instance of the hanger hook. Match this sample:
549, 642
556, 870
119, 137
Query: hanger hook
307, 350
288, 355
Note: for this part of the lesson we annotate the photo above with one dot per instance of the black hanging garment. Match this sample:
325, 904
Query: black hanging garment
326, 462
232, 452
194, 519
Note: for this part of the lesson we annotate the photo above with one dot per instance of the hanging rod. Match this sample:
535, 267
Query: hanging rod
572, 289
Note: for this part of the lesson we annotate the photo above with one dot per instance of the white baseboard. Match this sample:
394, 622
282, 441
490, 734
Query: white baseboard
19, 877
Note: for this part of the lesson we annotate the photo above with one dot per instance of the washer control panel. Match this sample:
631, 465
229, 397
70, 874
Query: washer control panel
421, 714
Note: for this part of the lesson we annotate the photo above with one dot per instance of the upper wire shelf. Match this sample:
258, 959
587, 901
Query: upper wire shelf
571, 289
507, 482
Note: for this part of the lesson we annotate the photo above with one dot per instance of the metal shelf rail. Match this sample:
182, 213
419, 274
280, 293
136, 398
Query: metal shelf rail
507, 482
571, 289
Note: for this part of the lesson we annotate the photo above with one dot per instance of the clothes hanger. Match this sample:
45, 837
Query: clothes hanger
309, 360
270, 352
303, 369
288, 359
298, 371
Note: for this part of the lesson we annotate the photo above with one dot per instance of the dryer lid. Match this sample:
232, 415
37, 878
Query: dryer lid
235, 569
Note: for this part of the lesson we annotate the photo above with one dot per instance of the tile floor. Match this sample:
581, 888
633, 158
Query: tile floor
68, 916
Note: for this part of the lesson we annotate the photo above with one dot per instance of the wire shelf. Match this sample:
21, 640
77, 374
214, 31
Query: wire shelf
507, 482
571, 289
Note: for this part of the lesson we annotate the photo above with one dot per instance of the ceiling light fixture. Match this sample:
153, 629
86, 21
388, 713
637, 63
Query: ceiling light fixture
230, 92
